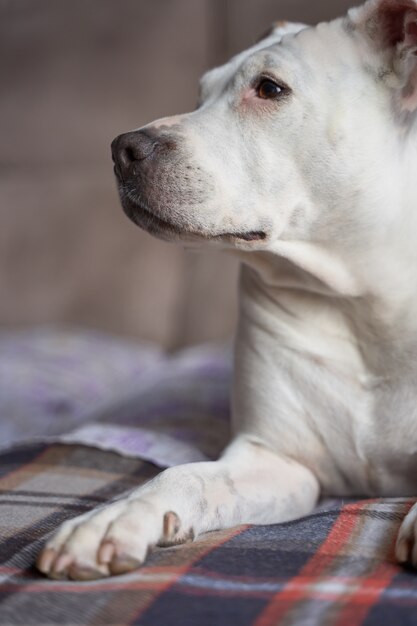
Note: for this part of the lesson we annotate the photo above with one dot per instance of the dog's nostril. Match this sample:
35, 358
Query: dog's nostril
129, 154
126, 157
132, 147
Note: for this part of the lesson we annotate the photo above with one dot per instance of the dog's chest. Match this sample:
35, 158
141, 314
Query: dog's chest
390, 444
371, 446
332, 386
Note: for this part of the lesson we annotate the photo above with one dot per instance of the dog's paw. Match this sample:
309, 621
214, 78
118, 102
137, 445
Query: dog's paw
114, 539
406, 545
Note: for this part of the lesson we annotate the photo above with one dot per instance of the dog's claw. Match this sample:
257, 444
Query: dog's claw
62, 564
106, 552
123, 564
402, 550
171, 525
45, 560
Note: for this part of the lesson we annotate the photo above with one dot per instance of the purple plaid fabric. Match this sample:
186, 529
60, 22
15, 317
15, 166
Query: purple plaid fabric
335, 567
53, 380
89, 388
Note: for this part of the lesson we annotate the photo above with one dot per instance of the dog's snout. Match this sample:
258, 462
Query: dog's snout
129, 148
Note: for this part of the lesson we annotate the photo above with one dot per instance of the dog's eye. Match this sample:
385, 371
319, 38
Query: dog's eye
267, 89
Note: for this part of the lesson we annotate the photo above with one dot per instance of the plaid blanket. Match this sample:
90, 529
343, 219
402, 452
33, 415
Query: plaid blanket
53, 380
93, 389
335, 567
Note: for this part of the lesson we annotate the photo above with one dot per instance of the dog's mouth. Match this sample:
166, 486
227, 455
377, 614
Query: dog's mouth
146, 219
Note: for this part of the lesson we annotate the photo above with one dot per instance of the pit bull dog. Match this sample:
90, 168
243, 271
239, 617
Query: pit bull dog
301, 158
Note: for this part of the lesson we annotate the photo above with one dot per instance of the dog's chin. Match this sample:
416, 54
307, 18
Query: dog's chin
169, 231
147, 220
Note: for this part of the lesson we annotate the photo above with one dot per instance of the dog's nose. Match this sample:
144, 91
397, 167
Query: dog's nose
129, 148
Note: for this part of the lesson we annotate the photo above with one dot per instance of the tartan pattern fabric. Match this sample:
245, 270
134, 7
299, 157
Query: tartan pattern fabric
87, 388
52, 380
335, 567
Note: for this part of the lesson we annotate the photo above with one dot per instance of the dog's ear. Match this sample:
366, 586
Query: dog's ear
390, 26
275, 26
280, 28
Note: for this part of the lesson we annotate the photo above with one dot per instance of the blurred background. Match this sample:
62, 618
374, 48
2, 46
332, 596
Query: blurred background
73, 75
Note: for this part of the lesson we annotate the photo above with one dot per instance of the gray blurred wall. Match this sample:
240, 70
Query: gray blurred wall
74, 74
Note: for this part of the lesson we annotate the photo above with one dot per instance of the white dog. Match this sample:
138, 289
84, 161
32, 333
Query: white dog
302, 158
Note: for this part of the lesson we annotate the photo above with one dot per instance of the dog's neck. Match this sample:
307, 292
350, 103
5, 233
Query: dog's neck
371, 293
377, 260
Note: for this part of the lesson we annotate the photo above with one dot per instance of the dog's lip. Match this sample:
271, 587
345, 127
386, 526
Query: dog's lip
136, 211
164, 225
252, 235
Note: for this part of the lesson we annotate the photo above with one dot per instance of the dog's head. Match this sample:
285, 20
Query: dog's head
293, 139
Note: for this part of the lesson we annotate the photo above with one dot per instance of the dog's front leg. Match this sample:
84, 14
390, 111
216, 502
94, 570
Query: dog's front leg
406, 545
249, 484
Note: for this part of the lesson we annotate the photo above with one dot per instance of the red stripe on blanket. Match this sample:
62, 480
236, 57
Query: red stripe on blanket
224, 537
297, 588
359, 603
